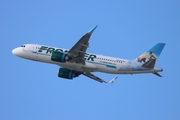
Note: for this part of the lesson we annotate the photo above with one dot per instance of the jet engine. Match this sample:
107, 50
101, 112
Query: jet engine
60, 57
68, 74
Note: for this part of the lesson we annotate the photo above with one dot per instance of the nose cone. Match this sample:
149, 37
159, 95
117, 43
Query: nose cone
15, 51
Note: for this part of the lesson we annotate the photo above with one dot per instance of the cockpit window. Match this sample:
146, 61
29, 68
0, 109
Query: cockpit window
22, 45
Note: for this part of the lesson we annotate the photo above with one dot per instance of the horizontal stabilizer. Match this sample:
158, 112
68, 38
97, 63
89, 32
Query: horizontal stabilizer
157, 74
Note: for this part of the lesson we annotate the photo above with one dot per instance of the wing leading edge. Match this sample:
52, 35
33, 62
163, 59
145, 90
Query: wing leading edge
79, 49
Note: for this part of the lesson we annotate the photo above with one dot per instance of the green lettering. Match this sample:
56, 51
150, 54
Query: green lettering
42, 48
86, 56
50, 50
91, 57
66, 51
59, 50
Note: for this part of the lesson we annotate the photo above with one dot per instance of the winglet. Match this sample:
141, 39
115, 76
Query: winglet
92, 30
112, 81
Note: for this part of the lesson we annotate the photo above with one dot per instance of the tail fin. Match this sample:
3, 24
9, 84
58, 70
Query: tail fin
149, 57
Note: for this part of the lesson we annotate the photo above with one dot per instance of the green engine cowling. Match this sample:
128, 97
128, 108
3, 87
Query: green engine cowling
58, 56
68, 74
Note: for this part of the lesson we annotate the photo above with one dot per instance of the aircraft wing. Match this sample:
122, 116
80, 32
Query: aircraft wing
78, 51
90, 75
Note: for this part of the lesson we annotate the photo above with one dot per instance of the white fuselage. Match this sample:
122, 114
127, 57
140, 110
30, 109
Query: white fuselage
93, 62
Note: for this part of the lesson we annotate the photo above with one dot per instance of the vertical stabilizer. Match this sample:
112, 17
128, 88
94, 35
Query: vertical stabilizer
149, 57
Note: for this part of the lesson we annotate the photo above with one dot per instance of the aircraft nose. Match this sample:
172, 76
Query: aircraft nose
13, 51
16, 51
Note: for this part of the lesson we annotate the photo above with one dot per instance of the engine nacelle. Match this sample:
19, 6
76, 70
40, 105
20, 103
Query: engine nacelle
59, 57
68, 74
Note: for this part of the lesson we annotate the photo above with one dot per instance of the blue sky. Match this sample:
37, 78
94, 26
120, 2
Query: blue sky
32, 91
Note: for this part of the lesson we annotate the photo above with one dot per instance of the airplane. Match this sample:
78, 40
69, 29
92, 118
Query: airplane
76, 61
